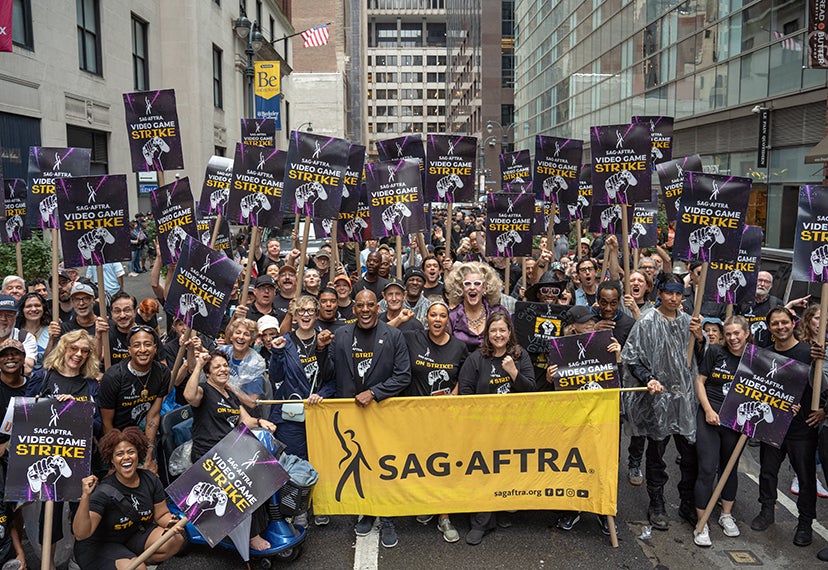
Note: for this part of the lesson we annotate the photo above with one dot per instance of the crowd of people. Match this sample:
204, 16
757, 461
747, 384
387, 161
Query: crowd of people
353, 330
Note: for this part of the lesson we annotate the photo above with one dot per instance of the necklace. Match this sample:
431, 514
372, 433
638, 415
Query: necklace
478, 321
144, 391
307, 345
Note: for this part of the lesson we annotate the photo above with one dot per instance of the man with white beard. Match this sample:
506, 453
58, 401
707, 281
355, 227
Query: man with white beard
763, 302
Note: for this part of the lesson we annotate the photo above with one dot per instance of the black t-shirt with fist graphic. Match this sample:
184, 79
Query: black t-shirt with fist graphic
213, 418
115, 525
434, 367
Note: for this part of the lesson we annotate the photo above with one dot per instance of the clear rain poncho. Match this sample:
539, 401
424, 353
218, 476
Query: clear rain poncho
657, 347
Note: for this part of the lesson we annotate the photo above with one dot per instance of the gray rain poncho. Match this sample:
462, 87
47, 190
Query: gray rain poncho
657, 347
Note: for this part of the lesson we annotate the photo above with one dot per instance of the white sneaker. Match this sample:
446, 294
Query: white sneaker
702, 538
821, 492
795, 485
728, 524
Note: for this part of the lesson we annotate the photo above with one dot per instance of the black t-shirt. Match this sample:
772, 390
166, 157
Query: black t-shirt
123, 392
213, 418
307, 356
332, 326
801, 351
280, 307
434, 367
719, 366
118, 345
73, 325
115, 525
345, 313
375, 286
755, 314
362, 352
6, 394
6, 514
55, 383
438, 290
254, 314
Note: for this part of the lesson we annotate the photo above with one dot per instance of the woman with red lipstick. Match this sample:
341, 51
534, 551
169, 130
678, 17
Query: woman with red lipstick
474, 290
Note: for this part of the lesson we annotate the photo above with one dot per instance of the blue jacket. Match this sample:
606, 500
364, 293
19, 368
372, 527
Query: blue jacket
288, 376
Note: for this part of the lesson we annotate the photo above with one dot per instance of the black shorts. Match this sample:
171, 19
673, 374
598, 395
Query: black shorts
91, 554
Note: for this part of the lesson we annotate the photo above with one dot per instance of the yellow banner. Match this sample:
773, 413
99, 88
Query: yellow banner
266, 80
449, 454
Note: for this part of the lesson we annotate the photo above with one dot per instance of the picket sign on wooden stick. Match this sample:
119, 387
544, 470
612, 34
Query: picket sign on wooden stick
179, 357
214, 237
507, 276
823, 310
398, 248
55, 278
717, 491
303, 256
577, 239
729, 311
550, 231
636, 257
46, 541
697, 303
334, 253
613, 532
421, 245
523, 271
254, 239
625, 238
158, 544
107, 358
19, 255
449, 223
295, 232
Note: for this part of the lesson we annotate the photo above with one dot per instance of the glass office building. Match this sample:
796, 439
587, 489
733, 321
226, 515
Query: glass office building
711, 64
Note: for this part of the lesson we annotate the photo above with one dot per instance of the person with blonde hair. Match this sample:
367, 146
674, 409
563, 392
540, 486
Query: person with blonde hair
473, 289
247, 367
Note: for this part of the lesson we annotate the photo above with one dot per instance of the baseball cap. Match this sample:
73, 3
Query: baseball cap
579, 314
83, 288
393, 283
413, 272
12, 343
556, 266
263, 280
322, 253
287, 267
267, 322
341, 277
586, 241
8, 303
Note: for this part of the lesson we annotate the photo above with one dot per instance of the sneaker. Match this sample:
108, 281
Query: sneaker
702, 538
803, 536
321, 520
821, 492
474, 537
364, 526
635, 476
17, 565
763, 520
388, 535
603, 520
424, 519
795, 485
568, 521
301, 519
450, 533
728, 524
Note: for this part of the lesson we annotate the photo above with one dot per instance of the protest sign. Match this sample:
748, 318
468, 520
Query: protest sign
153, 130
409, 146
580, 209
568, 460
671, 178
314, 173
354, 176
174, 213
322, 228
355, 217
256, 187
711, 217
516, 171
810, 259
50, 450
450, 168
396, 198
201, 285
509, 220
765, 388
606, 219
14, 207
258, 132
544, 211
661, 133
557, 168
644, 224
215, 192
734, 281
236, 477
46, 165
94, 219
536, 324
583, 361
621, 163
206, 223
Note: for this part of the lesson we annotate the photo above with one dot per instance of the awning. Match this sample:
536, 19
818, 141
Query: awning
819, 153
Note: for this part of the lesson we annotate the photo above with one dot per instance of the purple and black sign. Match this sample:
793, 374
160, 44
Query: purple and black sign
621, 164
215, 192
153, 130
94, 219
407, 147
355, 218
314, 175
258, 132
450, 168
236, 477
810, 259
711, 217
545, 211
671, 177
256, 187
735, 281
201, 286
765, 388
14, 228
516, 171
395, 197
583, 361
46, 166
509, 221
644, 224
175, 219
536, 324
581, 208
604, 219
661, 132
50, 450
557, 168
206, 223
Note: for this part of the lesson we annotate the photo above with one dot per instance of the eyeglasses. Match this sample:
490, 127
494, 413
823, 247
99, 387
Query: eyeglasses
305, 312
81, 299
83, 350
585, 269
646, 266
470, 284
549, 291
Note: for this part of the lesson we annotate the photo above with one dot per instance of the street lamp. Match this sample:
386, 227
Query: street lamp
504, 132
309, 124
248, 30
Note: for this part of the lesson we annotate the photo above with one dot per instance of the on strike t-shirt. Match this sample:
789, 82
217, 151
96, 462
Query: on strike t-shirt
719, 367
434, 367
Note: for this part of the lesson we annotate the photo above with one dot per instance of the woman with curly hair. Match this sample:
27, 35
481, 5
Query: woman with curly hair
104, 541
473, 289
34, 315
247, 367
499, 367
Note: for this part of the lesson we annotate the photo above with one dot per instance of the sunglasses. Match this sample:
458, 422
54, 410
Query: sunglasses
470, 284
549, 291
141, 328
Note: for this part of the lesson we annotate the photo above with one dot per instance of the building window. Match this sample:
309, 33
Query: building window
22, 24
218, 103
220, 151
272, 28
96, 140
89, 38
140, 66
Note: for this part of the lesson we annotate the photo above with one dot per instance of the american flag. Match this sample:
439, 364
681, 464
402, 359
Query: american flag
789, 43
316, 36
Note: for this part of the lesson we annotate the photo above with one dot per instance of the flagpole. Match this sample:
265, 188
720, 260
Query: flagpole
285, 38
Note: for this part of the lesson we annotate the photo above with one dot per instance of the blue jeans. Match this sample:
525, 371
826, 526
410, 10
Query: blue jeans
136, 260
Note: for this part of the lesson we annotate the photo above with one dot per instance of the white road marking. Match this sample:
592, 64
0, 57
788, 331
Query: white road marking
366, 550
